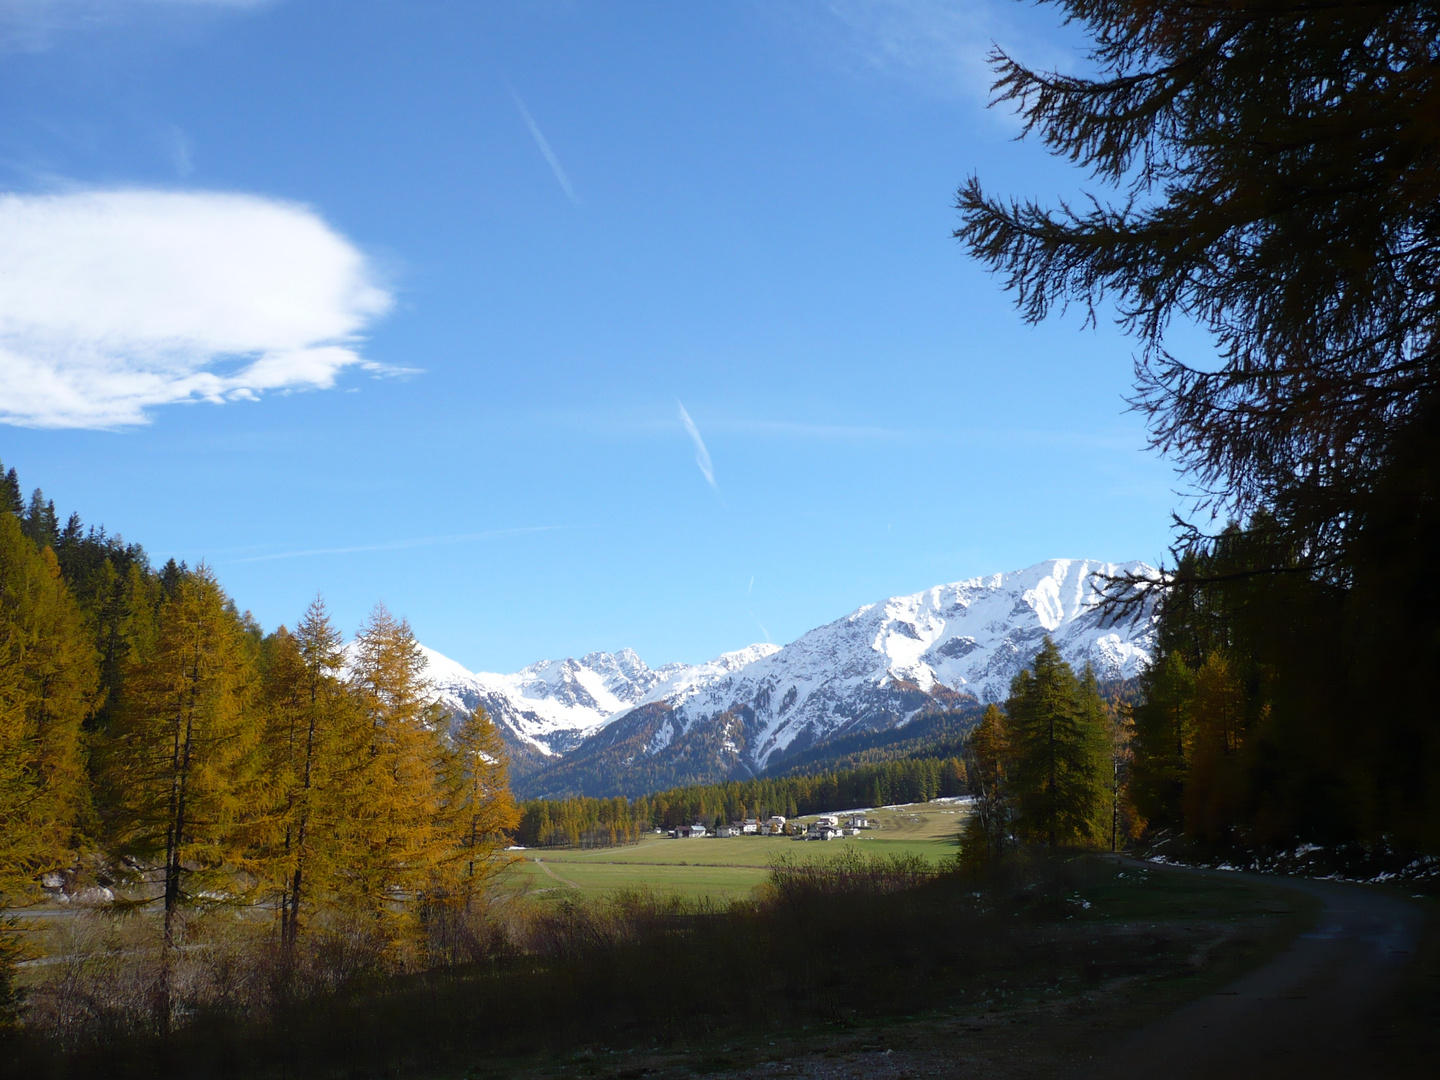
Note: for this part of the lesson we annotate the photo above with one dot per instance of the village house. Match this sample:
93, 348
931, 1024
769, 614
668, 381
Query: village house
749, 826
728, 830
775, 825
685, 832
824, 828
857, 821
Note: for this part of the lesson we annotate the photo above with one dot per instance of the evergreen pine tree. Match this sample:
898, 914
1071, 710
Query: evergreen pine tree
1214, 791
171, 575
1057, 732
11, 501
122, 609
41, 525
1163, 740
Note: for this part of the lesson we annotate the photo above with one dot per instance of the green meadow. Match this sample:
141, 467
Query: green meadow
728, 867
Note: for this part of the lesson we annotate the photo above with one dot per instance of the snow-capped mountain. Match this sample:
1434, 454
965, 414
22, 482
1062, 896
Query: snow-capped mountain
609, 722
971, 637
549, 707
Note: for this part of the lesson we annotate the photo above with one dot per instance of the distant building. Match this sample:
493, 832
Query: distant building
858, 821
685, 832
727, 830
749, 826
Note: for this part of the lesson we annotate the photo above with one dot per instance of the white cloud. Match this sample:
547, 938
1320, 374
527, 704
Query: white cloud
702, 456
113, 302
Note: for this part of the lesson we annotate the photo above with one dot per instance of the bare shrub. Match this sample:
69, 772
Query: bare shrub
464, 934
850, 872
98, 980
574, 928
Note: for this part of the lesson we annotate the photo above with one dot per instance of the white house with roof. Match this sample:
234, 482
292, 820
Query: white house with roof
826, 828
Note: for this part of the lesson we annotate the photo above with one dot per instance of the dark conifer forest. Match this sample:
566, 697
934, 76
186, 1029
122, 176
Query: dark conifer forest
1271, 174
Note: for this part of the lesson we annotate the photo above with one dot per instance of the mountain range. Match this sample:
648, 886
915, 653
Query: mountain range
608, 724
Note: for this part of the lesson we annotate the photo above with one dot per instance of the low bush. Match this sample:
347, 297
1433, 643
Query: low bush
851, 872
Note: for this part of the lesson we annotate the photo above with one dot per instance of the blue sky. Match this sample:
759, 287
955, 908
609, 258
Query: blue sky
555, 326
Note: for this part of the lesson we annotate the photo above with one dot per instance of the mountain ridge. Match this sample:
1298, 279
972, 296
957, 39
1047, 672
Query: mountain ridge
608, 723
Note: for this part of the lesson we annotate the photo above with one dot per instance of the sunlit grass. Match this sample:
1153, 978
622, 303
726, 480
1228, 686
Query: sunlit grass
730, 867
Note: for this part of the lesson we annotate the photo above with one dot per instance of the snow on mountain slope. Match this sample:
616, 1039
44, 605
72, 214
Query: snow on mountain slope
874, 669
971, 636
552, 705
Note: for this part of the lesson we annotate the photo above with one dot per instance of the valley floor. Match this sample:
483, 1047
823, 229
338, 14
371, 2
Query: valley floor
1344, 981
728, 867
1095, 968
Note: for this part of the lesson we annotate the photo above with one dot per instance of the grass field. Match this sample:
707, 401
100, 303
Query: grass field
729, 867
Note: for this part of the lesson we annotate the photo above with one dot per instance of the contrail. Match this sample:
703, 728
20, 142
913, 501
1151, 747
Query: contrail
398, 545
544, 146
702, 456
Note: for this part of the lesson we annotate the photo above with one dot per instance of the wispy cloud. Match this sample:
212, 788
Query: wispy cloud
941, 45
545, 151
702, 455
115, 302
31, 25
401, 545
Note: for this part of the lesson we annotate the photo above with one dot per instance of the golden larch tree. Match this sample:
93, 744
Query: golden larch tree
181, 759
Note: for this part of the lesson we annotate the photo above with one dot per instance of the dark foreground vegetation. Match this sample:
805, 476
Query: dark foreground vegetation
643, 982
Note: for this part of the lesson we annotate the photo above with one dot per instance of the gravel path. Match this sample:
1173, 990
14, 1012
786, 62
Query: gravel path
1317, 1010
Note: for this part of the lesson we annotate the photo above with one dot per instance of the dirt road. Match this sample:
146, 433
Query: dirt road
1317, 1010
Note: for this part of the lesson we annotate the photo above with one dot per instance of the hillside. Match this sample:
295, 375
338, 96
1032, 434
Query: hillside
607, 723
